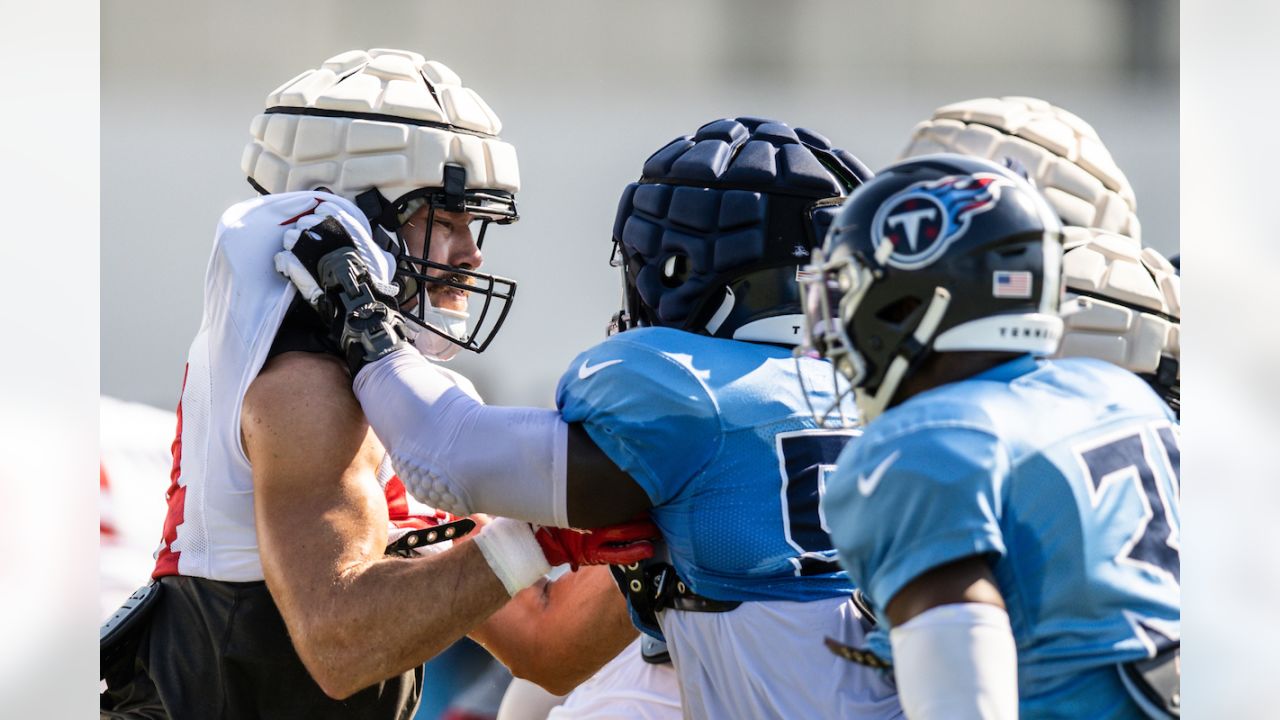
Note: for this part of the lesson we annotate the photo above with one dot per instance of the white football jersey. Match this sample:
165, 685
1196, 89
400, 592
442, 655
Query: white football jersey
766, 659
626, 687
209, 529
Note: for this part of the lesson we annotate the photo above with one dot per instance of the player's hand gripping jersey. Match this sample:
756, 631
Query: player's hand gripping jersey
719, 435
1065, 473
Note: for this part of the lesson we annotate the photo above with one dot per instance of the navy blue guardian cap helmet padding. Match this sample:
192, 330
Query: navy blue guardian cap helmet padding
713, 235
940, 253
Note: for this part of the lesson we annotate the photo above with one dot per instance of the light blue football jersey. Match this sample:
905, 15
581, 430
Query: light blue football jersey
720, 436
1064, 472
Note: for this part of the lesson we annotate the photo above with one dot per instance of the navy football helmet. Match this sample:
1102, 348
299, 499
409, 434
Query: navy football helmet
711, 238
941, 253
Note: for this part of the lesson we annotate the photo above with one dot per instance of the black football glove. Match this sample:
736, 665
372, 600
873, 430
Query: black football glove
361, 315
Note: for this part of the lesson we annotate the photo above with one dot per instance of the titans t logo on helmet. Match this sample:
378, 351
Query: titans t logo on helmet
922, 220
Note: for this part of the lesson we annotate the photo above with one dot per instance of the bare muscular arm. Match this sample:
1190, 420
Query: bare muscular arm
559, 633
355, 617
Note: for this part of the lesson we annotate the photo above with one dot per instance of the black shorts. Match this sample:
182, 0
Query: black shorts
214, 649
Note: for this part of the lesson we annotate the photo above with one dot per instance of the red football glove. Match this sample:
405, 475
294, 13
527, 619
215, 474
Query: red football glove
621, 544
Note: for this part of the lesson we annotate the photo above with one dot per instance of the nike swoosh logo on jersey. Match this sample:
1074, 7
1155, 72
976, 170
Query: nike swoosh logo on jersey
587, 371
867, 483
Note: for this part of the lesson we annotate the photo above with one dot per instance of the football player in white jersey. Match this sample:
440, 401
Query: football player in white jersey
280, 587
1124, 301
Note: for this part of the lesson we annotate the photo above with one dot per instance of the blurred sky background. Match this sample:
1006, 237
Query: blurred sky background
586, 91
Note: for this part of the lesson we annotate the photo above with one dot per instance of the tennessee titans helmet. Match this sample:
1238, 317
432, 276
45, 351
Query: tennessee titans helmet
712, 237
1121, 304
941, 253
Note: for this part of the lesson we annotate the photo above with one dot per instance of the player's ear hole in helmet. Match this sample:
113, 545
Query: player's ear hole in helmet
937, 254
393, 132
712, 236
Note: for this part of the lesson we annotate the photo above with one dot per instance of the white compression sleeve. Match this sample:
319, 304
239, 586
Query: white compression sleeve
455, 453
957, 662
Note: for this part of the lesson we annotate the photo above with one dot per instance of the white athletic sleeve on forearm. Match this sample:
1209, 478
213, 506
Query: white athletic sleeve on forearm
957, 662
459, 455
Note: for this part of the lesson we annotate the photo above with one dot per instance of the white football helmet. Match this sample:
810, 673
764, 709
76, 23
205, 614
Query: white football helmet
391, 131
1061, 154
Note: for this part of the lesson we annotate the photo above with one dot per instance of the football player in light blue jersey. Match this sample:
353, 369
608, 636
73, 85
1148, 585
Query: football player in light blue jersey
693, 401
698, 402
694, 414
1013, 519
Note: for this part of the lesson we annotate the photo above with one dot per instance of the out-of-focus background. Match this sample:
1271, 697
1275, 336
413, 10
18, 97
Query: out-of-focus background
585, 91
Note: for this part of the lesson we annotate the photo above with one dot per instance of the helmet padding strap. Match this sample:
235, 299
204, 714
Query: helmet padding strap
378, 209
455, 188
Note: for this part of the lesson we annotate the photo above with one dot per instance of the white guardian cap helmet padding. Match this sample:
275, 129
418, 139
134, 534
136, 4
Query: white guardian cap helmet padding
391, 131
1061, 154
1123, 305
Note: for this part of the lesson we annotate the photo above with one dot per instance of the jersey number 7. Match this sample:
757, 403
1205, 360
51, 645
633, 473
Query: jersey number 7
1131, 459
805, 457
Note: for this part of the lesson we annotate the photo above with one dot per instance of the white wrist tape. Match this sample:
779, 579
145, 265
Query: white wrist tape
457, 454
513, 553
957, 662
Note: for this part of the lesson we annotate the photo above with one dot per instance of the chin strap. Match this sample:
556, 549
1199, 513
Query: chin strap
372, 329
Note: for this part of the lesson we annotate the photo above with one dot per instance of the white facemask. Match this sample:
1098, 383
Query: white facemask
452, 322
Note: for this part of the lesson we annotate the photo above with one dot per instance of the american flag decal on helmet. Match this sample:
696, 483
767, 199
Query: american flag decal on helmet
1011, 284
